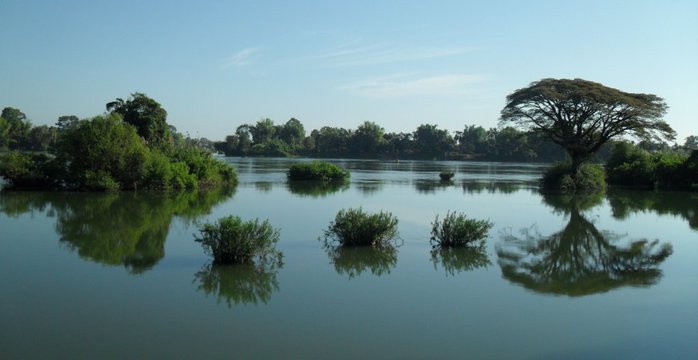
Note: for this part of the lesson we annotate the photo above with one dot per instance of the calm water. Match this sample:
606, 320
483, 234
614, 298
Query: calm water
119, 275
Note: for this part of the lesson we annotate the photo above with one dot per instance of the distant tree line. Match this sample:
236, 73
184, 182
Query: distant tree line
428, 141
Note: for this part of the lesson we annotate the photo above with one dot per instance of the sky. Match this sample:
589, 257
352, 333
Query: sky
214, 65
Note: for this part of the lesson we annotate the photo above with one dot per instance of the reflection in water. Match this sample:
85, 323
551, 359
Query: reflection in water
315, 188
369, 187
263, 186
127, 229
250, 283
353, 261
455, 260
683, 204
476, 187
578, 260
425, 186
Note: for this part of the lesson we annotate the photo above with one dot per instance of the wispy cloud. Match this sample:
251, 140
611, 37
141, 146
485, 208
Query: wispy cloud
403, 85
241, 58
353, 55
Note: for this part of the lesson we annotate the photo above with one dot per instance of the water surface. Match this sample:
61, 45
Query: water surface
119, 275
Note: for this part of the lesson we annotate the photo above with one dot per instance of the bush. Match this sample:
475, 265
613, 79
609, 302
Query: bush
446, 175
589, 177
629, 165
26, 171
317, 170
457, 230
353, 227
230, 240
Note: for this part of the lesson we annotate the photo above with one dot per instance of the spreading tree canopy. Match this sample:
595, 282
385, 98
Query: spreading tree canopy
581, 115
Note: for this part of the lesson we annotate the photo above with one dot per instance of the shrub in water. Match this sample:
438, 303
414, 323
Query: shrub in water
317, 170
589, 177
446, 175
230, 240
457, 230
353, 227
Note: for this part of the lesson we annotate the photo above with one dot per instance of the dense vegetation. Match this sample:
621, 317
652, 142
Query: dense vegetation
233, 241
109, 153
456, 230
317, 170
632, 166
354, 227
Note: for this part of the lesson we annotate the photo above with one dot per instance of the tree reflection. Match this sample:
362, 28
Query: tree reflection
683, 204
455, 260
579, 260
353, 261
249, 283
315, 188
120, 229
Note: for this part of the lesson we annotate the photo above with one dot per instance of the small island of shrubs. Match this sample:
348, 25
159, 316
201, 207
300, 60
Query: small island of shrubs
354, 227
233, 241
318, 171
456, 230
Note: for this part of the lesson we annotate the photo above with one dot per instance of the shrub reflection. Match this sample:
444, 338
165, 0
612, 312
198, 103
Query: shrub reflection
250, 283
353, 261
455, 260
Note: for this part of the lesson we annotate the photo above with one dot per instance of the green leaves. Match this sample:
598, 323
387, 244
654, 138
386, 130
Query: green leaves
230, 240
457, 230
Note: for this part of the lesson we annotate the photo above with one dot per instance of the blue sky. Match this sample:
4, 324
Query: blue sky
217, 64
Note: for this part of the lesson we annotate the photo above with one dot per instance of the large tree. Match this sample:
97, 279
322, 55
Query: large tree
581, 115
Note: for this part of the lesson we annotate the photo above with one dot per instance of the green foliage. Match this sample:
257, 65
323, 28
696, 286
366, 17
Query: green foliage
629, 165
589, 177
354, 227
457, 230
27, 171
146, 115
446, 175
105, 153
102, 153
317, 170
4, 134
232, 241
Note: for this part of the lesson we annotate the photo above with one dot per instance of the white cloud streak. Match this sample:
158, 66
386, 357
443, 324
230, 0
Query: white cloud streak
241, 58
379, 54
405, 85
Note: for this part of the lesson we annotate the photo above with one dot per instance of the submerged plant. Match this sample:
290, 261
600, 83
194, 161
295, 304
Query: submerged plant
230, 240
457, 230
354, 227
